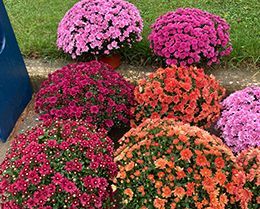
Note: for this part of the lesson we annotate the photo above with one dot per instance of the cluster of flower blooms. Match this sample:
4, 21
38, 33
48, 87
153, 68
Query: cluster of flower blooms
249, 160
181, 93
57, 165
91, 91
190, 36
99, 27
168, 164
165, 163
240, 119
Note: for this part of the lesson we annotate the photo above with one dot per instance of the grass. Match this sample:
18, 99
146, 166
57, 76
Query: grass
35, 24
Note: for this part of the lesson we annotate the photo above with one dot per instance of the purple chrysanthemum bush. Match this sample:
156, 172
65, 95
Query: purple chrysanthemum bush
240, 119
99, 27
90, 91
190, 36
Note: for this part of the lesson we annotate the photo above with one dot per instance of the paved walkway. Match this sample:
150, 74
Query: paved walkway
232, 78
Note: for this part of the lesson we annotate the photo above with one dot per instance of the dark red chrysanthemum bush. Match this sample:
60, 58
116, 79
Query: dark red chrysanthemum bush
190, 36
63, 165
91, 91
181, 93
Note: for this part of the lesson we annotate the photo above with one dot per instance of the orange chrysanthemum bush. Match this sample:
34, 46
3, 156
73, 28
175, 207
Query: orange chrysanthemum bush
249, 160
181, 93
165, 164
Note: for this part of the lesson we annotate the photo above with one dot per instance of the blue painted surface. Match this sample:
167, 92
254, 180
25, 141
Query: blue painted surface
15, 87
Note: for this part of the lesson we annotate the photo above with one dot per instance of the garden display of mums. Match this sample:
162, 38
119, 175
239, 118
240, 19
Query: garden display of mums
249, 160
181, 93
166, 164
190, 36
63, 165
99, 27
91, 91
240, 119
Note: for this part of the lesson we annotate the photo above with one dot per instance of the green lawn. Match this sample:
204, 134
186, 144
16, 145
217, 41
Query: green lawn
35, 23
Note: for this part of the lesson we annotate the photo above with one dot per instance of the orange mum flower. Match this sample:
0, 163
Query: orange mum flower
186, 154
167, 192
245, 196
158, 184
190, 188
205, 172
130, 166
201, 160
160, 163
141, 190
137, 173
122, 174
159, 203
219, 162
179, 192
129, 193
171, 164
183, 138
181, 174
129, 155
150, 177
173, 205
230, 187
175, 141
189, 169
197, 176
223, 199
155, 115
199, 205
208, 184
161, 174
220, 177
171, 177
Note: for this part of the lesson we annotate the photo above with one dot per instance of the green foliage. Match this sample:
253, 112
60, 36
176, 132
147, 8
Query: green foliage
35, 24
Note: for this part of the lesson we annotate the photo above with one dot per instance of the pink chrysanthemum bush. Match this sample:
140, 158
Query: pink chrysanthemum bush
90, 91
190, 36
99, 27
249, 160
65, 164
182, 93
165, 164
240, 119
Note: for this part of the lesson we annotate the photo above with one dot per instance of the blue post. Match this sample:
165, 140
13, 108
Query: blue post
15, 87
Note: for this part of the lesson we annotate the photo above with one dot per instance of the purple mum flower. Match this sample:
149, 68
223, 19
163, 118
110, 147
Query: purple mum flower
240, 119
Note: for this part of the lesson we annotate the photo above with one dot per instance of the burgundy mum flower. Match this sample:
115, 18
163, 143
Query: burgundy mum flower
94, 109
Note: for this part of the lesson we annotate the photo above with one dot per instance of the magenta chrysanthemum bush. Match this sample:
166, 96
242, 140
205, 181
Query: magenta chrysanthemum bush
65, 164
99, 27
190, 36
90, 91
240, 119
